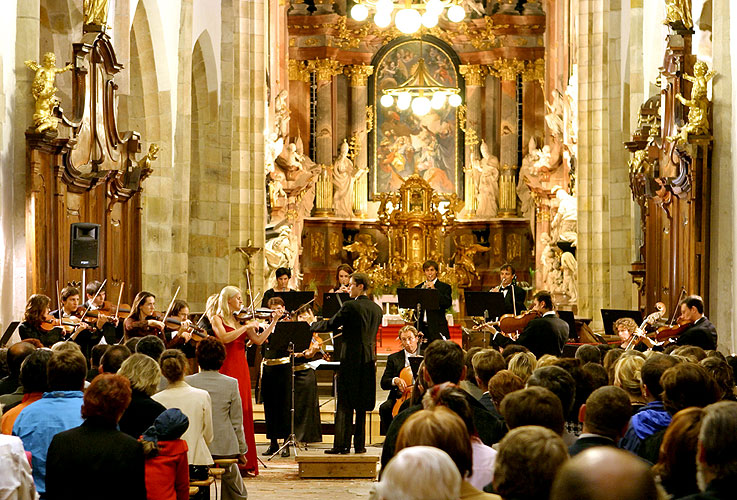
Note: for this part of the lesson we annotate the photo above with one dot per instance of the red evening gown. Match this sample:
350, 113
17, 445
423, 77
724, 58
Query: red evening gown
236, 366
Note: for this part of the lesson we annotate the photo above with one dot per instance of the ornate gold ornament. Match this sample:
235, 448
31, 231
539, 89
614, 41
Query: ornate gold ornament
298, 71
474, 74
534, 71
369, 118
95, 12
472, 137
507, 69
698, 105
678, 12
346, 38
44, 90
325, 69
483, 38
359, 73
354, 146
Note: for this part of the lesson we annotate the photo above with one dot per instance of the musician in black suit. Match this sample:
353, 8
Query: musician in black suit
703, 333
546, 334
390, 380
514, 296
432, 322
356, 386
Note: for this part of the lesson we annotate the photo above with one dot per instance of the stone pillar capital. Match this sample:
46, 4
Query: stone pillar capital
359, 73
298, 71
325, 69
507, 69
474, 74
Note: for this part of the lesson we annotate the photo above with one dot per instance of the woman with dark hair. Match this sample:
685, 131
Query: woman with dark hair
90, 460
676, 466
342, 279
195, 403
37, 311
283, 275
179, 338
141, 321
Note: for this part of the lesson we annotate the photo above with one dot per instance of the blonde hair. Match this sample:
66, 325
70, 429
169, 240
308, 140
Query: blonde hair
143, 372
546, 360
64, 345
627, 374
223, 309
523, 364
211, 305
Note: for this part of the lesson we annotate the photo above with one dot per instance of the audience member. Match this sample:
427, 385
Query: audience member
152, 346
723, 375
528, 459
610, 360
693, 351
132, 343
604, 473
583, 391
563, 385
58, 410
443, 429
676, 465
144, 375
113, 358
419, 473
3, 362
486, 364
711, 353
64, 345
628, 376
512, 349
34, 382
469, 384
522, 364
109, 461
167, 472
227, 414
16, 354
95, 357
533, 406
605, 416
195, 403
588, 353
597, 374
546, 360
16, 479
502, 384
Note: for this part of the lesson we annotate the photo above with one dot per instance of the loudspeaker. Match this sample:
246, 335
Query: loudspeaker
84, 249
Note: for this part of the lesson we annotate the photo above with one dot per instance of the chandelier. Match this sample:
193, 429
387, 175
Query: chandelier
410, 14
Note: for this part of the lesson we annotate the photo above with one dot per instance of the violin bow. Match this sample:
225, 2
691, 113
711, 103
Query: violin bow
171, 304
58, 300
250, 294
675, 309
89, 305
120, 296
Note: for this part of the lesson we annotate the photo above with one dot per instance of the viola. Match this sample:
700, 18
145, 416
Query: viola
510, 325
197, 332
406, 376
670, 331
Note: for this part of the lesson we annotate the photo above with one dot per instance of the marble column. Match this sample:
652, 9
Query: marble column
358, 75
474, 76
325, 70
507, 70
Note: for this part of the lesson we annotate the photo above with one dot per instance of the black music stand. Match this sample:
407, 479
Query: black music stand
427, 299
289, 337
9, 332
332, 302
490, 305
293, 300
609, 316
569, 318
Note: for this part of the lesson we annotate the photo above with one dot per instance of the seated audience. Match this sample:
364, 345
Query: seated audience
522, 364
605, 416
546, 360
443, 429
588, 353
227, 414
723, 375
469, 384
419, 473
167, 472
676, 466
501, 384
16, 480
34, 382
144, 375
696, 353
95, 357
604, 473
512, 349
152, 346
109, 461
628, 377
487, 363
610, 360
533, 406
582, 392
562, 384
528, 459
16, 354
58, 410
597, 374
113, 358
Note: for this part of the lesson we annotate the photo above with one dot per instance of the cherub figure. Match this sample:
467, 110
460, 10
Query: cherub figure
366, 250
145, 163
44, 90
698, 105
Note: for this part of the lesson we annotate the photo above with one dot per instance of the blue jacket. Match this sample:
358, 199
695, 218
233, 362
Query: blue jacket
643, 424
39, 422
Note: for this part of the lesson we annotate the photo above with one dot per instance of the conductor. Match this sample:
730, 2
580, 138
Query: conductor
356, 385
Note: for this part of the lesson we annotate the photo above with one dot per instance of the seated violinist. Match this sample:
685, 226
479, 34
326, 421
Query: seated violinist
37, 323
390, 380
626, 328
81, 332
142, 321
546, 334
107, 322
702, 332
283, 275
178, 336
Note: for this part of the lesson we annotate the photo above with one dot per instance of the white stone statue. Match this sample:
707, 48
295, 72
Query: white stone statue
552, 277
281, 115
487, 184
274, 147
526, 172
569, 267
564, 226
344, 176
278, 253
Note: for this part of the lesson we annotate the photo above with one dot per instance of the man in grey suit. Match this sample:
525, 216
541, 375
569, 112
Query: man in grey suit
227, 414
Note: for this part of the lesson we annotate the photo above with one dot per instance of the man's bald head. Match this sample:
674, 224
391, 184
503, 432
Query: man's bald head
16, 354
604, 473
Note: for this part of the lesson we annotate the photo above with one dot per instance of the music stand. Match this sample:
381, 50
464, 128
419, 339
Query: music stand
9, 332
293, 300
490, 305
287, 338
609, 316
332, 302
415, 298
568, 317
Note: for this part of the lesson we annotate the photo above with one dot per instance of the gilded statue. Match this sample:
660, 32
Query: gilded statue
698, 105
366, 250
463, 258
639, 164
146, 167
44, 90
678, 11
399, 266
95, 12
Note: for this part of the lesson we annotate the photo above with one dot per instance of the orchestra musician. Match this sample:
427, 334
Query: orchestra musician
276, 390
142, 321
283, 275
546, 334
356, 382
390, 380
702, 333
179, 338
625, 328
433, 323
307, 426
109, 326
36, 313
84, 334
514, 296
342, 279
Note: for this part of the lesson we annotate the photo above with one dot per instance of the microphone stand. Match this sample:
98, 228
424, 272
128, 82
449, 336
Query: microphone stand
292, 439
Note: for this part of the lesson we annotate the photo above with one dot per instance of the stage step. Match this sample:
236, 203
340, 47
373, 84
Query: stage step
315, 464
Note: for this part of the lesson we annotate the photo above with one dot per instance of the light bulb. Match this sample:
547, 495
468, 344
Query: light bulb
386, 6
408, 21
455, 100
434, 7
386, 100
359, 12
382, 19
456, 13
429, 20
404, 100
421, 106
438, 100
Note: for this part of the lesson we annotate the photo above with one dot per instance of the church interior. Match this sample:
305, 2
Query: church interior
586, 143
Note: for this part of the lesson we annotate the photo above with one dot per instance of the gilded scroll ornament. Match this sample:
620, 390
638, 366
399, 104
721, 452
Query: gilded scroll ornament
367, 252
369, 118
484, 38
298, 71
44, 90
472, 137
325, 69
534, 71
474, 74
359, 73
678, 11
698, 105
146, 163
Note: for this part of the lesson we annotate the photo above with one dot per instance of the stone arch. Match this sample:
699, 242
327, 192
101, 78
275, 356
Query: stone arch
60, 23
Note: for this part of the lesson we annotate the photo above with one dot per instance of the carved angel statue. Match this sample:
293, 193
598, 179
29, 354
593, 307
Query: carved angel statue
678, 11
569, 268
564, 226
555, 115
698, 105
527, 171
281, 115
274, 147
278, 253
145, 163
276, 188
44, 90
487, 190
398, 266
344, 177
552, 277
463, 258
366, 250
95, 12
639, 164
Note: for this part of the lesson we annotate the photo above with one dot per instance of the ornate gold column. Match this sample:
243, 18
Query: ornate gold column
358, 75
475, 75
325, 70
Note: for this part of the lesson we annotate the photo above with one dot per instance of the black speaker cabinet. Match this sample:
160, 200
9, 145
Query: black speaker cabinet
84, 248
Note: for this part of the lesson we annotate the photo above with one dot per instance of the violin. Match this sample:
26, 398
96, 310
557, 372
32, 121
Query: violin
668, 332
197, 332
639, 334
510, 325
406, 376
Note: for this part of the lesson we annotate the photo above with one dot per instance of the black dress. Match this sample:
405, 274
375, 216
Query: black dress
307, 425
28, 331
140, 414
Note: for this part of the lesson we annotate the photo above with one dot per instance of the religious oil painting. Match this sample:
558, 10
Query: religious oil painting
405, 143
